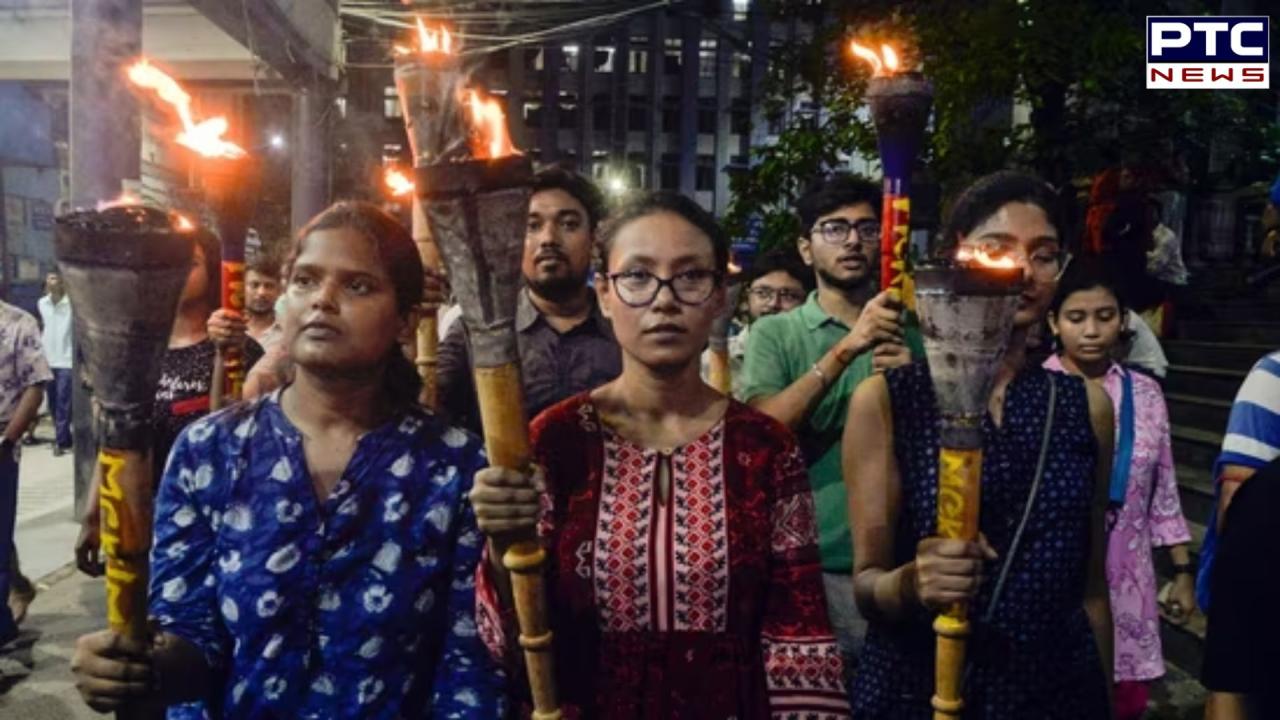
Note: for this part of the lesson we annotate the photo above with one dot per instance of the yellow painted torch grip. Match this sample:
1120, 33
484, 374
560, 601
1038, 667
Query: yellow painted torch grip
959, 493
125, 506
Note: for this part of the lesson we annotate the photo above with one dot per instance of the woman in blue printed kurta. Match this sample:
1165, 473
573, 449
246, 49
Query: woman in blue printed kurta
314, 550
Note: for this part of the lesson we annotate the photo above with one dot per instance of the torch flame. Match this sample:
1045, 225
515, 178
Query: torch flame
434, 41
431, 41
890, 58
397, 182
125, 199
490, 139
204, 137
980, 256
883, 63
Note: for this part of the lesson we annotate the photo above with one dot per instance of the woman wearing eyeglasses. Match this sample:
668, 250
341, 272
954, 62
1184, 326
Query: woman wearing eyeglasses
1035, 580
683, 573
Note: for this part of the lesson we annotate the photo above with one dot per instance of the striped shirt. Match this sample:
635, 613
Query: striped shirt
1253, 432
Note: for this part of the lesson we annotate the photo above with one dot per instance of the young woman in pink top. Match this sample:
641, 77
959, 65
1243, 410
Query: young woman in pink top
1088, 317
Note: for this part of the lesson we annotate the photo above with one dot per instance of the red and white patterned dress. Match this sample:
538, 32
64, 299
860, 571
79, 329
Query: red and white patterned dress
706, 606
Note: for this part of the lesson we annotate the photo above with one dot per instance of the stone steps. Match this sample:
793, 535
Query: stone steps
1225, 355
1205, 381
1238, 331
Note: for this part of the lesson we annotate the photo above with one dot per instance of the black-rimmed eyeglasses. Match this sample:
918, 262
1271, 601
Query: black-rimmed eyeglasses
836, 231
639, 288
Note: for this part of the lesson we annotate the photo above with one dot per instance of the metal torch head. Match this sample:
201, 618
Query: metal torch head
124, 269
432, 114
900, 106
966, 317
478, 211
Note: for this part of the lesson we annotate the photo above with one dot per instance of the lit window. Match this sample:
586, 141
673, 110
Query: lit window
390, 102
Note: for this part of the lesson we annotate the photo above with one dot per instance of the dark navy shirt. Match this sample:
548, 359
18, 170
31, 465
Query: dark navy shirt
361, 605
554, 366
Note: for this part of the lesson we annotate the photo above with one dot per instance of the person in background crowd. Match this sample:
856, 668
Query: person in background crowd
1251, 441
802, 366
684, 578
186, 373
1040, 647
314, 548
261, 289
23, 374
55, 314
1242, 642
1141, 348
1087, 317
565, 344
777, 282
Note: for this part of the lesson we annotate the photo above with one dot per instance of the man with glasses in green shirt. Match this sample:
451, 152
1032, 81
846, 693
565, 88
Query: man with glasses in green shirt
778, 281
802, 366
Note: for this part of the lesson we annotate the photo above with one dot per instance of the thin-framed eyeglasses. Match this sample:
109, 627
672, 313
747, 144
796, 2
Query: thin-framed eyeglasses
639, 288
782, 295
836, 230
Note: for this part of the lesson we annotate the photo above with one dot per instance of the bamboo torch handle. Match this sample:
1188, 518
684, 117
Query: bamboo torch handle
125, 506
233, 355
506, 439
959, 473
428, 340
895, 236
719, 375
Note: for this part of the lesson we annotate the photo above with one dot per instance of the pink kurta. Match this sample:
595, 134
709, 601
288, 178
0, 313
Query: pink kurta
1151, 517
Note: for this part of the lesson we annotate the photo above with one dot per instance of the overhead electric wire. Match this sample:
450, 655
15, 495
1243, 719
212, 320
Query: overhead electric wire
551, 20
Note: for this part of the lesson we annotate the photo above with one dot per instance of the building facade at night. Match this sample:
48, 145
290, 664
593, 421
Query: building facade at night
669, 98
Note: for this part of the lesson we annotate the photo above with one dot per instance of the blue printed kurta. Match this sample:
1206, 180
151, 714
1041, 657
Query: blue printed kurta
360, 606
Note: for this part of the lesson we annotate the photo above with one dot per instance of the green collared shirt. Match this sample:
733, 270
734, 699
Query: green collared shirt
782, 349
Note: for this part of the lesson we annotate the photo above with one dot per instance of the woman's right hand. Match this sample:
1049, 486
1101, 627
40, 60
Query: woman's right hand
112, 670
507, 501
949, 571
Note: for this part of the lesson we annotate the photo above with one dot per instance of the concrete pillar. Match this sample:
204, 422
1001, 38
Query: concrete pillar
690, 44
106, 148
550, 130
106, 130
309, 191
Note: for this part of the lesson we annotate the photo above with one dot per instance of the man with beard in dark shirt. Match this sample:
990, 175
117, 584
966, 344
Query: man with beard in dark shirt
566, 346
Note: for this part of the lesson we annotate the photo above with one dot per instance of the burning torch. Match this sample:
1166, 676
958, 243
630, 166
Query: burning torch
124, 267
900, 104
472, 186
426, 78
231, 186
966, 318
